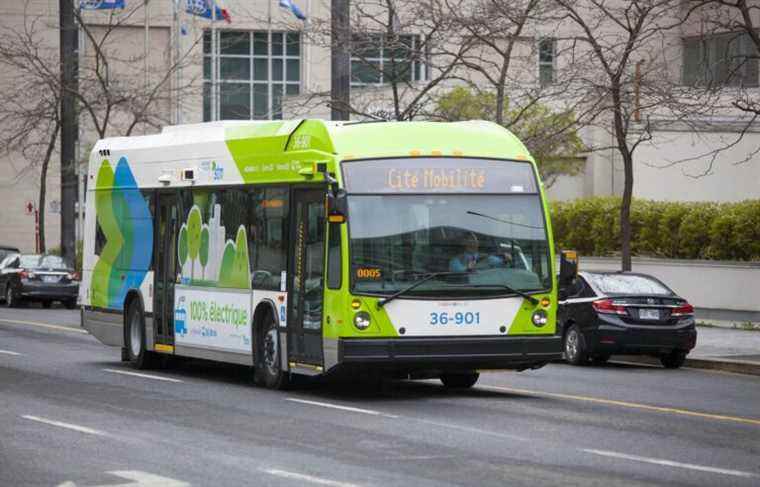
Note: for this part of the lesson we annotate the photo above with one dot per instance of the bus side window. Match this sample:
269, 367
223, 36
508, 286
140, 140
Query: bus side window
269, 220
333, 256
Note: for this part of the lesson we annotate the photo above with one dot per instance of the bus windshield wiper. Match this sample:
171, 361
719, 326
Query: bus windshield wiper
422, 280
510, 290
508, 222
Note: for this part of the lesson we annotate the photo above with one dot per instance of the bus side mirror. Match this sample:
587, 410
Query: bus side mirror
337, 206
568, 267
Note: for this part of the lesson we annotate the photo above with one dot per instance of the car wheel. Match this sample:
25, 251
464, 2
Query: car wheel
268, 371
70, 303
460, 381
139, 356
10, 299
674, 359
47, 304
575, 348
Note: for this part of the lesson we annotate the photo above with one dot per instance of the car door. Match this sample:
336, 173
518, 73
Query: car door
575, 305
7, 270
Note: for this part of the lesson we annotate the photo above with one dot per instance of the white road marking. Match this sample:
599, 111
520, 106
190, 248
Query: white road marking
476, 431
144, 376
342, 408
670, 463
140, 479
307, 478
43, 325
60, 424
8, 352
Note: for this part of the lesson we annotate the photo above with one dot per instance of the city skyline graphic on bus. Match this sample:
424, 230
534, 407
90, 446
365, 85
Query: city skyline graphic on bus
207, 257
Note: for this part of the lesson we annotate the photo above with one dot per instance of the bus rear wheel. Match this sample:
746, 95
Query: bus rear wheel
268, 371
139, 357
459, 380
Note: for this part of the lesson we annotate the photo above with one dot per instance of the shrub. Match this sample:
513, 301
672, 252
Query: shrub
700, 230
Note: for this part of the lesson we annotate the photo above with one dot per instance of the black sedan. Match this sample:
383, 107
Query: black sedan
616, 313
43, 278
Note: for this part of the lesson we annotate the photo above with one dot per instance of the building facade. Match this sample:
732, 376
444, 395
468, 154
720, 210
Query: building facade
174, 66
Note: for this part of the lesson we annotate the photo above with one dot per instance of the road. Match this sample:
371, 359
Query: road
71, 414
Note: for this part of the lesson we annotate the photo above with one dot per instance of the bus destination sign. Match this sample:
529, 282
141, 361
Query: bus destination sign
437, 175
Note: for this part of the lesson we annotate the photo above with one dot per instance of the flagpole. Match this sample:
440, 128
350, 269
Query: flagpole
307, 46
214, 60
147, 43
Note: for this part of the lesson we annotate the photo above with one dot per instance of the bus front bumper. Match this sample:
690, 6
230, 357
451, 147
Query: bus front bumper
450, 353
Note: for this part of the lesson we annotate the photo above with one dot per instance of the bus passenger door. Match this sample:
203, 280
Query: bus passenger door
306, 276
167, 226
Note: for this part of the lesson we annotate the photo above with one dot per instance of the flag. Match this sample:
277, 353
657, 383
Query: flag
202, 8
100, 4
290, 5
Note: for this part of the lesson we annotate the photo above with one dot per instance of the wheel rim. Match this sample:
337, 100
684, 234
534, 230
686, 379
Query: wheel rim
9, 296
571, 344
271, 352
135, 335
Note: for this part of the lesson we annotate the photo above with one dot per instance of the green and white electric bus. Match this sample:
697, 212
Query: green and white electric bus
415, 249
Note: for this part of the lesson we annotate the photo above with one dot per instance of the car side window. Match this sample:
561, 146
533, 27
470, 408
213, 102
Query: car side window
585, 290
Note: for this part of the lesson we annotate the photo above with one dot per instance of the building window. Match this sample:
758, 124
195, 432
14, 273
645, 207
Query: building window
720, 60
547, 54
254, 71
376, 59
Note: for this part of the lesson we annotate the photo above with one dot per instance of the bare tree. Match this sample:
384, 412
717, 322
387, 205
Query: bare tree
114, 97
402, 51
622, 70
29, 108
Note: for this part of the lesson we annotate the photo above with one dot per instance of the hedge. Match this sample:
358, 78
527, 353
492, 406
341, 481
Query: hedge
720, 231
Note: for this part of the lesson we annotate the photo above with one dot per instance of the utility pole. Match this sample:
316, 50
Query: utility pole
69, 127
340, 86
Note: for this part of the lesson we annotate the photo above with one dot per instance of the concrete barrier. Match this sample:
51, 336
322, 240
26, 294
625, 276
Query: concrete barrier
724, 291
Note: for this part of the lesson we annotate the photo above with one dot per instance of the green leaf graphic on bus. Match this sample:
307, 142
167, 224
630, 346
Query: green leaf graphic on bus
206, 256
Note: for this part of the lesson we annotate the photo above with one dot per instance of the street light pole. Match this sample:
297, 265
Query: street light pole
69, 127
340, 89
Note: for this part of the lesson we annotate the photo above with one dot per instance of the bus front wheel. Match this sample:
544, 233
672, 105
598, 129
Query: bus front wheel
268, 371
460, 380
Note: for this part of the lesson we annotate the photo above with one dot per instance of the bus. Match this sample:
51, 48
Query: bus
409, 249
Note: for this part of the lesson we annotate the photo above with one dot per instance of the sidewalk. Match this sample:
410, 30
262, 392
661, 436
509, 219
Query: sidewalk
721, 349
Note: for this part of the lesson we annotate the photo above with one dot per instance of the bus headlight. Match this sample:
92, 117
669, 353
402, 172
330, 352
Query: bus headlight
362, 320
540, 317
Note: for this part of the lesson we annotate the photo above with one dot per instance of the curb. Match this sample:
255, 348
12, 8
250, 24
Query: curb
726, 365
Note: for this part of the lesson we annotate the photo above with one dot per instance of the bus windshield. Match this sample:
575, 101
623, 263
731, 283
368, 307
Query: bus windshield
481, 243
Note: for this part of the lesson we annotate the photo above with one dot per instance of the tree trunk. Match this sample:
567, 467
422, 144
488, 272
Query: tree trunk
43, 183
625, 212
625, 207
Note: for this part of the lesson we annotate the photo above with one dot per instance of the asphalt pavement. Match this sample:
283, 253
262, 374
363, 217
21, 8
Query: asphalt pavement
72, 414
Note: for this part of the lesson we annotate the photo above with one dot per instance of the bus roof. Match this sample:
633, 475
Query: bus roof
256, 147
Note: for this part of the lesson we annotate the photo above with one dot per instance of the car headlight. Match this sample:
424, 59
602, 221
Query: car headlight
362, 320
540, 318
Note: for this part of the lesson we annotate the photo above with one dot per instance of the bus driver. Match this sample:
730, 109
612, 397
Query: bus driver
471, 259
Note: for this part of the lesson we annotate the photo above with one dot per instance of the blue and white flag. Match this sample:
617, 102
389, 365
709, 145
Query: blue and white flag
101, 4
290, 5
202, 8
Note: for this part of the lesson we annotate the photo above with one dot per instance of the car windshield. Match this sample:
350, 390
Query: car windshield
627, 284
30, 261
481, 243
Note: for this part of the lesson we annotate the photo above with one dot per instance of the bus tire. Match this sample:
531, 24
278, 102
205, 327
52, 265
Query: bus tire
459, 380
575, 347
268, 371
134, 338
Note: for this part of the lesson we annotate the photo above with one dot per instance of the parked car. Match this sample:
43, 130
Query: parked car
6, 250
618, 313
43, 278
